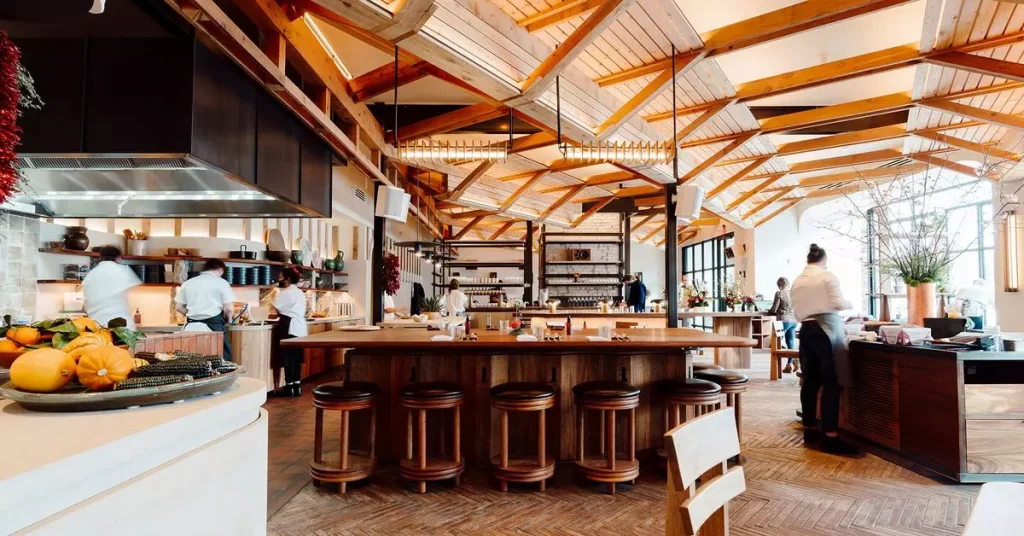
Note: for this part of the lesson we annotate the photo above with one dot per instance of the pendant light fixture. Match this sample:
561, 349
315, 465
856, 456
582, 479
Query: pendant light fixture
425, 150
603, 152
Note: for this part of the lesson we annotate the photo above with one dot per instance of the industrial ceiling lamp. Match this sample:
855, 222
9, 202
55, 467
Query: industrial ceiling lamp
1012, 248
602, 152
429, 151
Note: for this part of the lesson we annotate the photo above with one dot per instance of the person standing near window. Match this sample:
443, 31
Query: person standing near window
817, 301
782, 308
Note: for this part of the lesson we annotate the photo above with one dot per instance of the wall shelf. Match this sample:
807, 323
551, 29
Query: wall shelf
79, 282
483, 285
482, 264
167, 258
584, 263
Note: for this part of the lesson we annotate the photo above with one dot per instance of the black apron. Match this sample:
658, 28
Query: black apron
218, 324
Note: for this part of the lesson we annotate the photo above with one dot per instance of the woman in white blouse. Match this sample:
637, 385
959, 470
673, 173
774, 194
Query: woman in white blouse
291, 322
817, 301
455, 300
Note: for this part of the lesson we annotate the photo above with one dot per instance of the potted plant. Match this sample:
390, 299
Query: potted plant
432, 307
749, 303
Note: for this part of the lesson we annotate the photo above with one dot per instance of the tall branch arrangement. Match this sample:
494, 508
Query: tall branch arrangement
912, 228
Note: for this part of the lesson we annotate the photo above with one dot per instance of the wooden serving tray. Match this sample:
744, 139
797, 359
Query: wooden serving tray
77, 398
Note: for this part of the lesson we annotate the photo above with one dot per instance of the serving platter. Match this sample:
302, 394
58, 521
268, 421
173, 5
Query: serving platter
76, 398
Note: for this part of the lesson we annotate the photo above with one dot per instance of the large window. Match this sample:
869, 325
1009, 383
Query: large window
968, 228
706, 262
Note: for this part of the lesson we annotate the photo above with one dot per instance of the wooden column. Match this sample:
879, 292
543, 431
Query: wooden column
625, 249
671, 257
377, 264
528, 264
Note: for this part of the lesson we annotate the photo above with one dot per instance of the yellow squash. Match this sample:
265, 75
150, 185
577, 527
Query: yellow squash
24, 335
85, 323
42, 371
100, 367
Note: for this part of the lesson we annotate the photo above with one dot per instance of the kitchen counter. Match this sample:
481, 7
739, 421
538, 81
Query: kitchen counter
956, 414
720, 314
164, 328
86, 473
594, 314
408, 323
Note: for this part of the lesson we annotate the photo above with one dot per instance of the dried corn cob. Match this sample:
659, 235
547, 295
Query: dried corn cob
196, 369
151, 381
228, 366
148, 356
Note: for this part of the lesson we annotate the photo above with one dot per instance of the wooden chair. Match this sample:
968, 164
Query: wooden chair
997, 510
778, 353
700, 449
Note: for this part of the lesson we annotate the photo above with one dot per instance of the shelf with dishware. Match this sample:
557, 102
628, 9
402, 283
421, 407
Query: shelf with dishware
79, 282
174, 258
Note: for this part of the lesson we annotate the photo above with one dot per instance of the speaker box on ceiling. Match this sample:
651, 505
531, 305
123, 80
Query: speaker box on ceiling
688, 202
392, 203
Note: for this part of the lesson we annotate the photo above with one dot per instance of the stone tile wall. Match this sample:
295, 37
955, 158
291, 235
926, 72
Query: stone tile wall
19, 245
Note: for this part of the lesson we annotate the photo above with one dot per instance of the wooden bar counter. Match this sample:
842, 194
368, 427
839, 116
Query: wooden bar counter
959, 414
392, 358
735, 323
595, 319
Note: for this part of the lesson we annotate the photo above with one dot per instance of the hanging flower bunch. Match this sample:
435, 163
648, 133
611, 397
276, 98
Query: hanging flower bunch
10, 132
392, 274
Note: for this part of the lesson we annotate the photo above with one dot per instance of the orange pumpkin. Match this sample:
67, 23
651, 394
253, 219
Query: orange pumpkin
101, 367
24, 335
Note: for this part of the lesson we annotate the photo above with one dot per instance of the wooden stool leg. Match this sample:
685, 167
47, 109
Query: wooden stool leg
664, 416
677, 420
631, 438
442, 440
373, 433
609, 441
457, 440
581, 413
541, 444
503, 460
604, 429
318, 437
408, 438
422, 451
739, 425
343, 453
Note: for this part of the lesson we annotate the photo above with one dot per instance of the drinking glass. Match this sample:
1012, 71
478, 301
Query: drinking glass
503, 326
604, 331
538, 331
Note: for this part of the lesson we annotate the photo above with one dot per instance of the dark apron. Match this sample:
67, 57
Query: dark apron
834, 327
288, 358
218, 324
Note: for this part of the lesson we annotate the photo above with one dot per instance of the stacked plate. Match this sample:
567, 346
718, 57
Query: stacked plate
140, 270
240, 275
264, 275
154, 273
253, 275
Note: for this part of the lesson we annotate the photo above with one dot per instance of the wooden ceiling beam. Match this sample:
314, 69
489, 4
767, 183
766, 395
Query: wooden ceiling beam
596, 180
788, 205
980, 64
651, 91
955, 167
525, 187
763, 204
382, 79
987, 116
475, 175
544, 75
468, 227
685, 236
754, 191
554, 15
836, 113
857, 159
967, 145
465, 214
867, 174
713, 193
408, 16
719, 155
536, 140
641, 223
501, 230
657, 229
456, 119
591, 211
653, 201
701, 120
566, 197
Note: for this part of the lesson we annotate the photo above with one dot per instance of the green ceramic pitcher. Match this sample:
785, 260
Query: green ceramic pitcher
339, 261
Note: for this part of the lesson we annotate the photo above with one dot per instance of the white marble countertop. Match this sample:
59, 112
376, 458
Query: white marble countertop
52, 461
164, 328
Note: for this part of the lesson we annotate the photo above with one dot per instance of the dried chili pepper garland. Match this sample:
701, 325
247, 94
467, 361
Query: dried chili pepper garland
10, 132
392, 274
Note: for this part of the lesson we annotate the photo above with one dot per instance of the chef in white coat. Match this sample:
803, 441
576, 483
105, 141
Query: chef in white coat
105, 288
290, 303
455, 301
208, 299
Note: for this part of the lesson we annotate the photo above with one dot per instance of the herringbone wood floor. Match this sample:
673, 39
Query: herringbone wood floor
791, 490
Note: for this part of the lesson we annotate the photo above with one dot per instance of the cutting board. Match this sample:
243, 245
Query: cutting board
275, 240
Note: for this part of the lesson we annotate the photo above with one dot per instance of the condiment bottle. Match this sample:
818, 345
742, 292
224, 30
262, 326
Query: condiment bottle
568, 325
138, 317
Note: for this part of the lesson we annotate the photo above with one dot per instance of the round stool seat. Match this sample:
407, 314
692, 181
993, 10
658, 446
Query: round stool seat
605, 390
687, 386
706, 366
723, 377
346, 390
431, 391
522, 391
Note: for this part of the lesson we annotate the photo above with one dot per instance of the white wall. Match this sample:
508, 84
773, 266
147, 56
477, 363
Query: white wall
1008, 304
651, 261
777, 252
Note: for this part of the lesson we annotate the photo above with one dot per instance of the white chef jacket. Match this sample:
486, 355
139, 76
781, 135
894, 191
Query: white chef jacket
455, 302
204, 296
105, 289
389, 303
816, 291
291, 302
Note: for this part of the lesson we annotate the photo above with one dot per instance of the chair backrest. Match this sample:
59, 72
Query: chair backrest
777, 334
701, 448
997, 510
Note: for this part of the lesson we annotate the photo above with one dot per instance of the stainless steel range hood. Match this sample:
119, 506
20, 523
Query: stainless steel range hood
141, 186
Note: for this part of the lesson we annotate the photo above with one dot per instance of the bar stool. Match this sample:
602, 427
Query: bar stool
733, 385
346, 397
701, 367
423, 396
678, 394
609, 397
523, 396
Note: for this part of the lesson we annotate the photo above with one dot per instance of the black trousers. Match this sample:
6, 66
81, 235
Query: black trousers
819, 369
217, 323
291, 357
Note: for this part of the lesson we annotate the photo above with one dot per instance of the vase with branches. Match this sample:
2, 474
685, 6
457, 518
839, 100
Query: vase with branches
696, 295
907, 221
